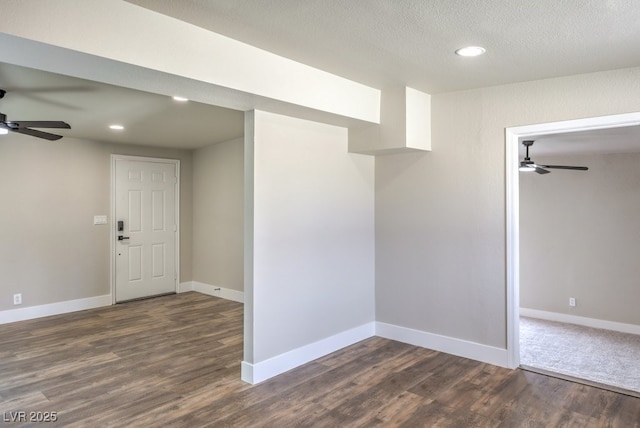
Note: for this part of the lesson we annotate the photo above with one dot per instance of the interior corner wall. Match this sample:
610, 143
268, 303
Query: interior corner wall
440, 216
218, 188
579, 237
313, 235
50, 251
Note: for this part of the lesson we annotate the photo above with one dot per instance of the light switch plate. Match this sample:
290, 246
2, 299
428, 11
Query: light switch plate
99, 219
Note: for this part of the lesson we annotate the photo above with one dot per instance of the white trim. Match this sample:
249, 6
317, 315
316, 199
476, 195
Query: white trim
449, 345
213, 290
112, 222
183, 287
512, 136
584, 321
513, 249
247, 373
261, 371
32, 312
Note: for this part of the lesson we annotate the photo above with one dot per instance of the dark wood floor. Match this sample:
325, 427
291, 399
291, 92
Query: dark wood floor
175, 361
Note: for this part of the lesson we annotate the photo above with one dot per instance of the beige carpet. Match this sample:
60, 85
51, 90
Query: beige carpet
601, 356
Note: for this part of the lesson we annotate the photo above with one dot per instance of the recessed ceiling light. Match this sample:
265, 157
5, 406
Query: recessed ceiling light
116, 127
180, 99
471, 51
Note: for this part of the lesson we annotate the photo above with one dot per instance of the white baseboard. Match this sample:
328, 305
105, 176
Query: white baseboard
183, 287
32, 312
449, 345
263, 370
212, 290
584, 321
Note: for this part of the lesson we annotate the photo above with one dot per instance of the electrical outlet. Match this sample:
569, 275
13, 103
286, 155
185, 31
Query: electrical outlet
572, 301
17, 299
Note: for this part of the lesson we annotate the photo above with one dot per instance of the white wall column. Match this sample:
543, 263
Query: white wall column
309, 277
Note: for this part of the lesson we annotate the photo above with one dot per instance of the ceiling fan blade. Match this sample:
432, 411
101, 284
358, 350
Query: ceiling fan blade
38, 124
540, 170
575, 168
36, 133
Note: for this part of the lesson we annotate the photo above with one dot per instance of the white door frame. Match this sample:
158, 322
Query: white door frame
512, 136
112, 222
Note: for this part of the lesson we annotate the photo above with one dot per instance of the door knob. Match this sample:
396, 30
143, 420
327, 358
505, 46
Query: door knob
122, 238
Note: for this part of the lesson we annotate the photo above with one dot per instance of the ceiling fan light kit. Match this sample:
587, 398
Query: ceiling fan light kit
25, 126
527, 165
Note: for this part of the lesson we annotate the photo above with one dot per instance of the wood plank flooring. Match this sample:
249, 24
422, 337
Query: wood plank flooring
174, 361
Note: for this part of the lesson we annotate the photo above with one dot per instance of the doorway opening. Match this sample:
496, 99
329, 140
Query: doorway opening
514, 138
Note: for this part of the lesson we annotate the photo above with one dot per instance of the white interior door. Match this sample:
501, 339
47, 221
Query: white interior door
146, 228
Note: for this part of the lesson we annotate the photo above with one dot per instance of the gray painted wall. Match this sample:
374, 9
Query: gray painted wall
440, 216
311, 237
50, 251
580, 237
218, 189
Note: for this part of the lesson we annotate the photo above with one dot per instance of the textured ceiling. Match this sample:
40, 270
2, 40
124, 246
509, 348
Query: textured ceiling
90, 107
411, 42
380, 43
